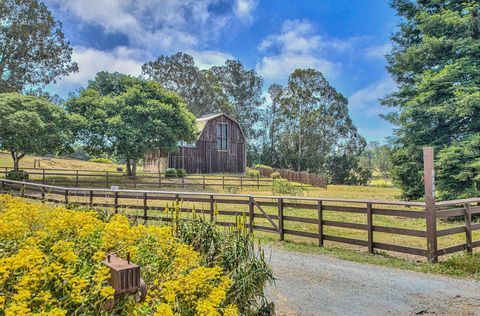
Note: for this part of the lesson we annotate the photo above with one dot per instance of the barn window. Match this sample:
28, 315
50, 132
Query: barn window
222, 136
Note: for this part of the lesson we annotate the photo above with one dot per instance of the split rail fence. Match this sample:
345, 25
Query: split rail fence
107, 179
280, 215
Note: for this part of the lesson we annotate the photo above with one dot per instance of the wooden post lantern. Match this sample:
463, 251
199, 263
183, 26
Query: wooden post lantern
125, 276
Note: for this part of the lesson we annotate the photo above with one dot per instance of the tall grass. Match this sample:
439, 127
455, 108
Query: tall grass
235, 251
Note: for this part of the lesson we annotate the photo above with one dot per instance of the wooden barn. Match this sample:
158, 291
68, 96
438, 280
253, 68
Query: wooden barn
220, 147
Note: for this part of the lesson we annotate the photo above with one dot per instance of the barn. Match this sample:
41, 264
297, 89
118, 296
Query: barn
220, 147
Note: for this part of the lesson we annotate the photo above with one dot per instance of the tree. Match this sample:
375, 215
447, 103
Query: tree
142, 118
229, 88
198, 88
435, 62
243, 89
33, 125
271, 121
458, 169
33, 49
314, 123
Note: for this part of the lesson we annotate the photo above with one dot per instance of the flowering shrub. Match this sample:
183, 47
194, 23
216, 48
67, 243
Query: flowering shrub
50, 264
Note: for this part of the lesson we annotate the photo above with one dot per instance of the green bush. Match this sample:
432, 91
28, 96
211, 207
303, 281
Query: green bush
259, 165
102, 160
232, 188
181, 173
235, 251
252, 173
171, 173
283, 187
19, 175
275, 175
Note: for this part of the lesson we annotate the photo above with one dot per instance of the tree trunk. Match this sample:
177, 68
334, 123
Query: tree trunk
134, 167
16, 159
129, 167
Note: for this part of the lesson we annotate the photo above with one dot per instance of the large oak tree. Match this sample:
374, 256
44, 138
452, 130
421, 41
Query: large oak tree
33, 125
128, 117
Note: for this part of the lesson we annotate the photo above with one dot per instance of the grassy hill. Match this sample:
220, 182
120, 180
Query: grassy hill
56, 163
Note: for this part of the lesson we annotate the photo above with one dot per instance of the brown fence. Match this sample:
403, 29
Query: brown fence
302, 177
322, 219
107, 179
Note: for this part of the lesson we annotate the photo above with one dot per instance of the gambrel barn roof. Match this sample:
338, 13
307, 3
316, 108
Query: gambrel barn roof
203, 121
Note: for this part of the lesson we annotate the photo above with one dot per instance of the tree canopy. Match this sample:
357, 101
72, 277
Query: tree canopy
310, 128
435, 62
33, 125
34, 50
128, 117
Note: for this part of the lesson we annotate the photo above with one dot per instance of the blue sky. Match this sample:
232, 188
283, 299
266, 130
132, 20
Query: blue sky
345, 39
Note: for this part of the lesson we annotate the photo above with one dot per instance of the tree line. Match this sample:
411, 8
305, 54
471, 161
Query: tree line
304, 126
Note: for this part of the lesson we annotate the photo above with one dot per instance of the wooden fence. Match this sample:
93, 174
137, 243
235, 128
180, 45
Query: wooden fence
302, 177
279, 214
107, 179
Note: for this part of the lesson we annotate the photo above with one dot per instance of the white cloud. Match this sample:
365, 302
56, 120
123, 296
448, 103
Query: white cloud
90, 61
378, 51
165, 25
208, 58
365, 101
244, 8
281, 66
298, 45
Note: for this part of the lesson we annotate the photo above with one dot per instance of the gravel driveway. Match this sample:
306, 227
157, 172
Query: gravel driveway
314, 284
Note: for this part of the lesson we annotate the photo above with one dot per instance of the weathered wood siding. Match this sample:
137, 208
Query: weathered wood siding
204, 157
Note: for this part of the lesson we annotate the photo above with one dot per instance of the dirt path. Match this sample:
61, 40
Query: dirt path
311, 284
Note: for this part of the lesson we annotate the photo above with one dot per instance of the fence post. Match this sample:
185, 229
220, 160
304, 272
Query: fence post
258, 182
211, 207
320, 223
204, 182
106, 179
468, 226
66, 196
241, 182
223, 182
115, 202
43, 194
160, 181
135, 181
370, 227
145, 215
430, 207
76, 182
250, 214
183, 182
90, 202
280, 218
43, 176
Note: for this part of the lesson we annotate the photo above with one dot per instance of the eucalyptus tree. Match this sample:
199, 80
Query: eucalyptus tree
315, 123
33, 48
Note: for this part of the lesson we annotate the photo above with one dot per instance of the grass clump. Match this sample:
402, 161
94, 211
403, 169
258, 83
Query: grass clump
252, 173
235, 251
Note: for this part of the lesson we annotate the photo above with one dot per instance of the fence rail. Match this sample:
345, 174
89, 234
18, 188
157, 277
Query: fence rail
279, 214
107, 179
302, 177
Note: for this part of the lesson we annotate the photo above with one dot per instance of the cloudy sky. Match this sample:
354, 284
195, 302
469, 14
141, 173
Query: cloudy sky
345, 39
